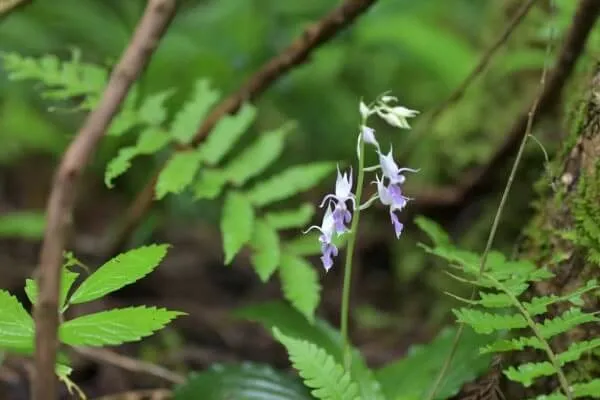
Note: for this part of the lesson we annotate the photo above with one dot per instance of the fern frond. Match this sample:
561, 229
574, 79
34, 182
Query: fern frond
318, 369
565, 322
516, 344
525, 374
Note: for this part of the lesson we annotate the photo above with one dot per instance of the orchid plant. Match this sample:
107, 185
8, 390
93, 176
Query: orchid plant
389, 192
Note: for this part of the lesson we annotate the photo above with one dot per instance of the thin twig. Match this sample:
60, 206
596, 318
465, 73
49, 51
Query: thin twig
7, 6
476, 182
130, 364
61, 202
293, 56
486, 58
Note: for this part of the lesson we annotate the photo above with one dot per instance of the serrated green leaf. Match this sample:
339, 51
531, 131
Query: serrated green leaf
564, 322
486, 323
256, 157
178, 173
525, 374
591, 389
16, 325
435, 232
120, 271
293, 180
153, 111
188, 119
577, 349
293, 323
413, 375
67, 280
265, 250
286, 219
150, 141
300, 284
115, 326
226, 133
236, 224
539, 305
516, 344
494, 300
318, 369
248, 381
210, 183
23, 224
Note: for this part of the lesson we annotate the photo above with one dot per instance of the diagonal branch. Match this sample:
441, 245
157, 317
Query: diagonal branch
484, 61
476, 182
60, 206
294, 55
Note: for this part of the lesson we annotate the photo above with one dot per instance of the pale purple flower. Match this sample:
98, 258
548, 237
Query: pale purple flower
390, 169
343, 194
392, 197
368, 135
327, 229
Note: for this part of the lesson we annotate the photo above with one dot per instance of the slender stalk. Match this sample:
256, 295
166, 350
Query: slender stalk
349, 255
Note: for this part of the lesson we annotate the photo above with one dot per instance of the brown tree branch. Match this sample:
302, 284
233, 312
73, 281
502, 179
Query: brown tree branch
7, 6
130, 364
60, 206
294, 55
476, 182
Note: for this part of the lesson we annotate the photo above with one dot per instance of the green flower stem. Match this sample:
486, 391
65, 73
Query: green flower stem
349, 253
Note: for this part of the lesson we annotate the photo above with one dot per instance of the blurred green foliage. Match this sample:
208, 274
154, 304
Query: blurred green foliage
422, 50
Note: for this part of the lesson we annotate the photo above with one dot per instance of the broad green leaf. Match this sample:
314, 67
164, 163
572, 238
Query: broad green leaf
150, 141
115, 326
248, 381
257, 157
188, 119
16, 325
236, 224
435, 232
67, 279
226, 133
412, 376
286, 219
153, 110
300, 284
120, 271
292, 323
210, 183
178, 173
265, 250
23, 224
292, 181
318, 369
